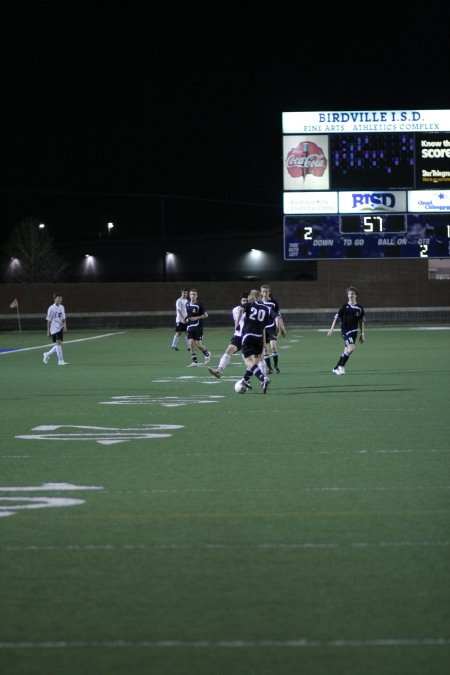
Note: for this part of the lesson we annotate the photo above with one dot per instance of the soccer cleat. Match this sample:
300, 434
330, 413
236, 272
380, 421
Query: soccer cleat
269, 371
246, 384
277, 370
62, 363
217, 372
208, 358
265, 385
341, 370
337, 370
45, 357
194, 364
175, 349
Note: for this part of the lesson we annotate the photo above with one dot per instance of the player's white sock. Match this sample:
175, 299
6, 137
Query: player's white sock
224, 361
263, 367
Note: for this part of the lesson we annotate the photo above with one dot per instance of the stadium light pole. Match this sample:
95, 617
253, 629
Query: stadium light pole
163, 238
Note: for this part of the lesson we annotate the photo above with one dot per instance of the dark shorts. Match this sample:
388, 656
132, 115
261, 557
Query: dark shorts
271, 334
196, 335
58, 336
350, 337
252, 346
236, 341
180, 327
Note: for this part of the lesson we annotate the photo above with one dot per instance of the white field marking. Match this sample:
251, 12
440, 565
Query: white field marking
102, 435
221, 546
208, 379
231, 644
413, 328
399, 451
14, 456
165, 401
181, 377
60, 487
394, 488
14, 504
202, 379
384, 410
295, 452
66, 342
418, 328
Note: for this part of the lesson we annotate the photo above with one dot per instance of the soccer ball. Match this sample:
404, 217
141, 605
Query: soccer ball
239, 387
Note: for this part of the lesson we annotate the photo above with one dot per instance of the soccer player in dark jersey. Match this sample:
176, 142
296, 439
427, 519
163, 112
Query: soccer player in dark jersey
352, 318
257, 316
275, 328
195, 313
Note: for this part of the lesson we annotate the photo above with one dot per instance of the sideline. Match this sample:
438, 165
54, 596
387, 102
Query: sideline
13, 350
396, 328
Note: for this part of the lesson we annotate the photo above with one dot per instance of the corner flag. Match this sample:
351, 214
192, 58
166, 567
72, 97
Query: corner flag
15, 305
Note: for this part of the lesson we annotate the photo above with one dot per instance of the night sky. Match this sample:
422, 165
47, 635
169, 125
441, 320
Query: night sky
104, 102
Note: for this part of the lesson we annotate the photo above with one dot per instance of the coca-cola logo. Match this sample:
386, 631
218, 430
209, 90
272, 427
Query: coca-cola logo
306, 158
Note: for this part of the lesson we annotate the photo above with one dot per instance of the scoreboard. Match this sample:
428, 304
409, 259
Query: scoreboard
366, 184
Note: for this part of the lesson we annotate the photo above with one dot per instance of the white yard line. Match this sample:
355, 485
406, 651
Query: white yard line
66, 342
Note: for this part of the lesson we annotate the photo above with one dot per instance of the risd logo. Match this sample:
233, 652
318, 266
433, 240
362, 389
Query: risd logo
375, 201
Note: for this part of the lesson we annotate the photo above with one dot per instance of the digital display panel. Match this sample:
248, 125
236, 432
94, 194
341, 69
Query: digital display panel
390, 223
366, 184
387, 236
371, 161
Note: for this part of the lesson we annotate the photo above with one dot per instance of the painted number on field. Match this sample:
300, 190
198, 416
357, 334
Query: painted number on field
10, 505
102, 435
165, 401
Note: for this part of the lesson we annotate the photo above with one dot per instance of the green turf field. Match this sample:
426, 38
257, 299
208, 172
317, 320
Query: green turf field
155, 522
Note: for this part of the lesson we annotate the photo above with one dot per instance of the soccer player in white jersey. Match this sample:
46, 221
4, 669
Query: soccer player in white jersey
236, 339
56, 325
180, 318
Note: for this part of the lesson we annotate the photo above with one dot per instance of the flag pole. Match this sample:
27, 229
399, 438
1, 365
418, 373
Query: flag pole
15, 303
18, 317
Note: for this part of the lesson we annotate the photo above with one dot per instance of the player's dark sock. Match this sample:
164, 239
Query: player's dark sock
257, 373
